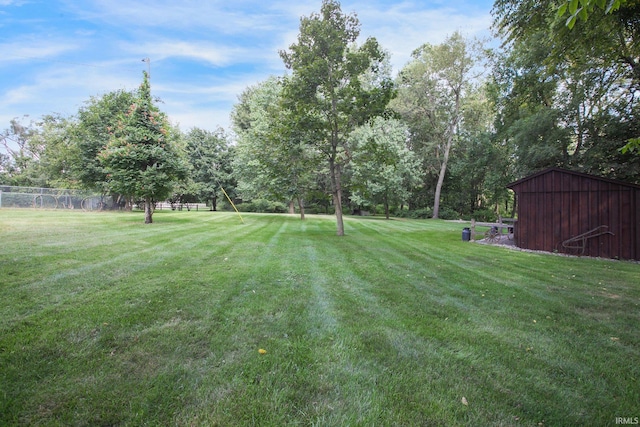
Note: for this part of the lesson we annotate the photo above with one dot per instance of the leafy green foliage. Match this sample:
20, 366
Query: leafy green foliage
383, 168
631, 146
583, 8
210, 156
141, 161
60, 157
325, 93
23, 146
433, 89
581, 83
262, 206
273, 158
97, 121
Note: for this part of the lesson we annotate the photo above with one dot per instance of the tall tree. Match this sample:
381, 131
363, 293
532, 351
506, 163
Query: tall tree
480, 166
23, 147
59, 160
582, 9
210, 155
325, 92
383, 167
272, 159
432, 92
141, 160
526, 119
97, 120
610, 41
589, 77
42, 153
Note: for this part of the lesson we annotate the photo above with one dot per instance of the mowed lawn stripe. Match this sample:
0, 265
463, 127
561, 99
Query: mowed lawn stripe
519, 305
69, 261
392, 324
391, 361
499, 332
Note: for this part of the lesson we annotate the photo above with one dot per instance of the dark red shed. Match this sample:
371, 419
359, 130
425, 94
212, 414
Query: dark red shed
572, 212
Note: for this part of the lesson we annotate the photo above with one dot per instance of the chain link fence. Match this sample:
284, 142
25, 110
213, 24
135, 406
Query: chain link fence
52, 198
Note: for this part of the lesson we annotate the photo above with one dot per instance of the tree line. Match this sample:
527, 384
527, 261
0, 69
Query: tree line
340, 132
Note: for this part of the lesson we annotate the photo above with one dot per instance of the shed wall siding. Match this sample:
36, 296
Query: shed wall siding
558, 205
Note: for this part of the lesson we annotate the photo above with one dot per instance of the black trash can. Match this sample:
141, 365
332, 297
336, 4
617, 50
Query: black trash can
466, 234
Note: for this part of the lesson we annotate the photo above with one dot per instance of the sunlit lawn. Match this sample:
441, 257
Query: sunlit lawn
107, 321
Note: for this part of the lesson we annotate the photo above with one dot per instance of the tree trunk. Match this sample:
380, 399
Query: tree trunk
337, 201
334, 167
443, 170
292, 207
214, 203
128, 203
148, 211
386, 207
301, 206
336, 190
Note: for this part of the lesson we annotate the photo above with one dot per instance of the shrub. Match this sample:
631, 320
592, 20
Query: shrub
260, 205
422, 213
263, 206
277, 207
448, 213
485, 215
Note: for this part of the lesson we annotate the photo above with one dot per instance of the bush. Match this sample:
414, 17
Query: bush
422, 213
277, 207
245, 207
426, 213
263, 206
448, 213
485, 215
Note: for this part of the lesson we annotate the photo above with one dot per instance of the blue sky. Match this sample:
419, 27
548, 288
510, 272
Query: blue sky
56, 54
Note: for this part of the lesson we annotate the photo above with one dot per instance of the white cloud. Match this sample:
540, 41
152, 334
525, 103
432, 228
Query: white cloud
203, 53
18, 95
403, 27
192, 15
211, 53
400, 27
203, 118
31, 47
12, 2
62, 88
205, 104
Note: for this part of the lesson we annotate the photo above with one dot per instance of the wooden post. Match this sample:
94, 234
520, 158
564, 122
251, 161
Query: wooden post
473, 230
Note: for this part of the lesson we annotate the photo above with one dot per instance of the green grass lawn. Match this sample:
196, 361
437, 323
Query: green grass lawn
107, 321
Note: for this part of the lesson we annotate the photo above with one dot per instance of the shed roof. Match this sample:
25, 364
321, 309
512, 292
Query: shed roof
569, 172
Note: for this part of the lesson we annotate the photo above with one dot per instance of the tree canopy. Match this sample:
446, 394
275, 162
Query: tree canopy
433, 88
97, 121
440, 139
273, 160
325, 93
569, 95
210, 156
383, 167
140, 159
583, 8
